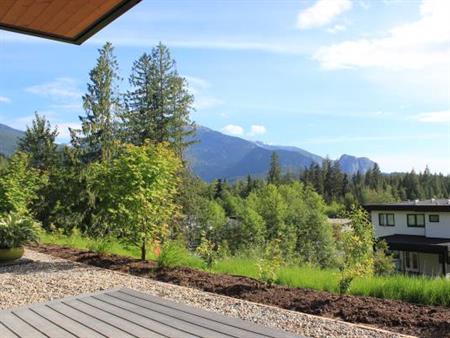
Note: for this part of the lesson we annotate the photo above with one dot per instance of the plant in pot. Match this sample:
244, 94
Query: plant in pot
15, 232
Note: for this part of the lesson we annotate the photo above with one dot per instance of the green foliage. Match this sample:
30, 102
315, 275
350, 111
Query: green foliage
274, 175
101, 245
17, 230
136, 193
76, 240
19, 184
94, 141
206, 250
174, 253
382, 260
358, 242
270, 263
373, 186
335, 209
159, 103
39, 142
271, 206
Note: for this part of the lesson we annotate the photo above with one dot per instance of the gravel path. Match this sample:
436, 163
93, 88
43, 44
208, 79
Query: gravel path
47, 278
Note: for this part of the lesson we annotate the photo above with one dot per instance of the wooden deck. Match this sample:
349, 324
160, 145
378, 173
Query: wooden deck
123, 313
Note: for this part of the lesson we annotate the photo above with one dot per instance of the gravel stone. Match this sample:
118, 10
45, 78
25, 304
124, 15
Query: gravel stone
41, 278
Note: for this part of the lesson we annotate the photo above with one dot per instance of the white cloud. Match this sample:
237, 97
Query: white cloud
434, 117
60, 88
322, 13
336, 29
414, 45
257, 129
4, 99
233, 129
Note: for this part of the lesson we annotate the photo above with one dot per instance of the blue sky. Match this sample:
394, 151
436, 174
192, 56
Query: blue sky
367, 78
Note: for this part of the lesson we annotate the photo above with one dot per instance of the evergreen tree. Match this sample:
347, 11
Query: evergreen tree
101, 102
159, 103
274, 175
39, 143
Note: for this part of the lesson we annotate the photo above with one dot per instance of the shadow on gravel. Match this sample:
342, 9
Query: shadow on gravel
30, 266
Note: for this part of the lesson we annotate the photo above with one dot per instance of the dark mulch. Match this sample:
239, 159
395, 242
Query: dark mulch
398, 316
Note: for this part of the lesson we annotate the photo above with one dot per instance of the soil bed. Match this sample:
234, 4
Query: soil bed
397, 316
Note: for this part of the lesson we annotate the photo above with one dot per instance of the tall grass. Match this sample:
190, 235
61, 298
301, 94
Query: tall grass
240, 266
80, 242
413, 289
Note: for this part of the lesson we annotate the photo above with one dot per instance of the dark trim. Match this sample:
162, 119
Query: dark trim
418, 248
110, 16
434, 215
386, 219
100, 23
417, 243
407, 207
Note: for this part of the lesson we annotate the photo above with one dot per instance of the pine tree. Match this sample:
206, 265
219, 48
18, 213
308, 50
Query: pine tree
274, 175
101, 102
159, 103
39, 143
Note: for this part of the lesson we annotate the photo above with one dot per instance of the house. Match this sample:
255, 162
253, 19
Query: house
417, 232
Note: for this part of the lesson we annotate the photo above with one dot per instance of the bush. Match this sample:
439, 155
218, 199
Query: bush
17, 231
383, 263
174, 253
270, 264
206, 251
100, 246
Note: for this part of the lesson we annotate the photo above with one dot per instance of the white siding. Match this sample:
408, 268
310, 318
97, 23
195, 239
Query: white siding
437, 230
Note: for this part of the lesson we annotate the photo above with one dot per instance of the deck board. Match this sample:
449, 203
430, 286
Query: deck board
124, 313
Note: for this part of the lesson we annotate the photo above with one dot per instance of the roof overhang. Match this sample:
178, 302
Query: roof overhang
72, 21
418, 244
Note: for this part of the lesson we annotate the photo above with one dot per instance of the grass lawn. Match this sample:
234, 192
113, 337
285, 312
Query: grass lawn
414, 289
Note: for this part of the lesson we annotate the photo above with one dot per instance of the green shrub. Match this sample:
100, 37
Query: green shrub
100, 246
174, 253
270, 264
206, 250
17, 231
383, 263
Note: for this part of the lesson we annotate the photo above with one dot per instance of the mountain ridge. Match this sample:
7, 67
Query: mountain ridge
217, 155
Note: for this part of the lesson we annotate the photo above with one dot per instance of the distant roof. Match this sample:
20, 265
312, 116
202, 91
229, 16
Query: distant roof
415, 205
64, 20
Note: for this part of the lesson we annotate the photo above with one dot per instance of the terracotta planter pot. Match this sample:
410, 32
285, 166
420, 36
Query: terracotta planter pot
8, 255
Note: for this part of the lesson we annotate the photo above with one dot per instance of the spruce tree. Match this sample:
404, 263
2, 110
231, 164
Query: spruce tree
39, 143
159, 103
274, 175
101, 102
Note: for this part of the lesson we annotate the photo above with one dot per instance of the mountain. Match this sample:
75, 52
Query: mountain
216, 155
351, 164
8, 139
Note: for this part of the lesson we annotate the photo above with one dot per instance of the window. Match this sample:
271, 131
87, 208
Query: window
386, 220
416, 220
433, 218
